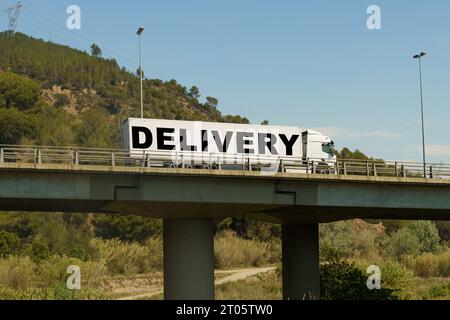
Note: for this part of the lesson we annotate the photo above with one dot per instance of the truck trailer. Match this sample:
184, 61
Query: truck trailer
215, 145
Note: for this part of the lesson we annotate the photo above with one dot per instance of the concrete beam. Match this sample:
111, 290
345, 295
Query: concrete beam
188, 259
300, 252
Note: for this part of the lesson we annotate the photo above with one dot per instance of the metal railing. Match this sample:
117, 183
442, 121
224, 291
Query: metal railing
210, 161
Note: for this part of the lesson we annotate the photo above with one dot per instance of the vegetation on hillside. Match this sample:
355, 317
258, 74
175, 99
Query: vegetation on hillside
55, 95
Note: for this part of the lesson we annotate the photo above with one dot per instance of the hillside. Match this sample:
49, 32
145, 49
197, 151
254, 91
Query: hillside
55, 95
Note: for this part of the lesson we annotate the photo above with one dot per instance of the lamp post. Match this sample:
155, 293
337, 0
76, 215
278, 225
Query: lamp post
141, 75
419, 57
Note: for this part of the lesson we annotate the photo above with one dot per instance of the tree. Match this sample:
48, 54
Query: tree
265, 123
212, 102
346, 153
16, 125
18, 91
194, 92
235, 119
138, 73
95, 50
126, 227
95, 131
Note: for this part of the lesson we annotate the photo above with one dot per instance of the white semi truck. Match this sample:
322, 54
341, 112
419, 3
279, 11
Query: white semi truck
198, 144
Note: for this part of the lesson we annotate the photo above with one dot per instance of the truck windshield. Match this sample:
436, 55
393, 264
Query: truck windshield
328, 147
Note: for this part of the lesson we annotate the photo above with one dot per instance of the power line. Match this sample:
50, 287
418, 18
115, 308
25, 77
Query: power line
13, 15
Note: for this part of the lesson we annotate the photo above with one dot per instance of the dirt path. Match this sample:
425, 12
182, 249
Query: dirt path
234, 275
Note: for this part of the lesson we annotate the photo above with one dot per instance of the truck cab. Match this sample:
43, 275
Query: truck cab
318, 147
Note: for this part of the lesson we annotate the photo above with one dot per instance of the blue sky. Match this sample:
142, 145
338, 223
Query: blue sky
313, 64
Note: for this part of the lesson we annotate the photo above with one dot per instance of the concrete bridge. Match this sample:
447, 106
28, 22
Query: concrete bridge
189, 200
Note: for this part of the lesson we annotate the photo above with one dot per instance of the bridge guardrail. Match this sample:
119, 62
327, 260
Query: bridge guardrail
188, 159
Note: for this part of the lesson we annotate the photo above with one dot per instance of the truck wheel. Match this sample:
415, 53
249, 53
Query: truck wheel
323, 168
173, 166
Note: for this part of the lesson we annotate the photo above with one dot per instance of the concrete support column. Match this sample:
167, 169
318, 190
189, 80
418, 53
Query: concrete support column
188, 259
300, 252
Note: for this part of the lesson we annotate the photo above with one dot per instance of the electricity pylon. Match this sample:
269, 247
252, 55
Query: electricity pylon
13, 14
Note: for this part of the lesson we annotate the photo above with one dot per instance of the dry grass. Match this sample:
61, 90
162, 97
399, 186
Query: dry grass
430, 265
232, 252
129, 258
16, 272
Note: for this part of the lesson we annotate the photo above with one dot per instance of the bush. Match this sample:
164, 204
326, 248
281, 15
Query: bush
61, 100
351, 240
231, 251
429, 265
398, 279
428, 235
16, 272
39, 250
343, 280
403, 243
415, 238
9, 244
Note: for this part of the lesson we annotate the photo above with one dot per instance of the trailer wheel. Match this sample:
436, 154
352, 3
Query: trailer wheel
323, 168
188, 166
173, 166
206, 167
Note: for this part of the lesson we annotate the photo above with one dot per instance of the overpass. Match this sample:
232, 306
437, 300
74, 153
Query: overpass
95, 180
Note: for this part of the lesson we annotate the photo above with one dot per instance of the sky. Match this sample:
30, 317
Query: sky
313, 64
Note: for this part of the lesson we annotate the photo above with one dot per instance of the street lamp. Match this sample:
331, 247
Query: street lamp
141, 75
420, 56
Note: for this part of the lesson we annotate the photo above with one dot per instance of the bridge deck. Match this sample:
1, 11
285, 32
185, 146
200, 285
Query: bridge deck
193, 193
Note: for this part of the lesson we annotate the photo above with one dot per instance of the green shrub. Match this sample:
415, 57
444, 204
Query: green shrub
9, 244
61, 100
403, 243
350, 240
440, 292
341, 279
398, 279
39, 250
428, 235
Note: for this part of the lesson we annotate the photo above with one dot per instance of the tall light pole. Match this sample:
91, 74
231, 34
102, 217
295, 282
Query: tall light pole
141, 73
420, 56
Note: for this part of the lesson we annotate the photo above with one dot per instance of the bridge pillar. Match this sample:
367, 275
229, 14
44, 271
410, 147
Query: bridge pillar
188, 259
300, 254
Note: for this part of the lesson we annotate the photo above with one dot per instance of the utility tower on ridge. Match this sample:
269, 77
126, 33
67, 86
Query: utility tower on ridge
13, 14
